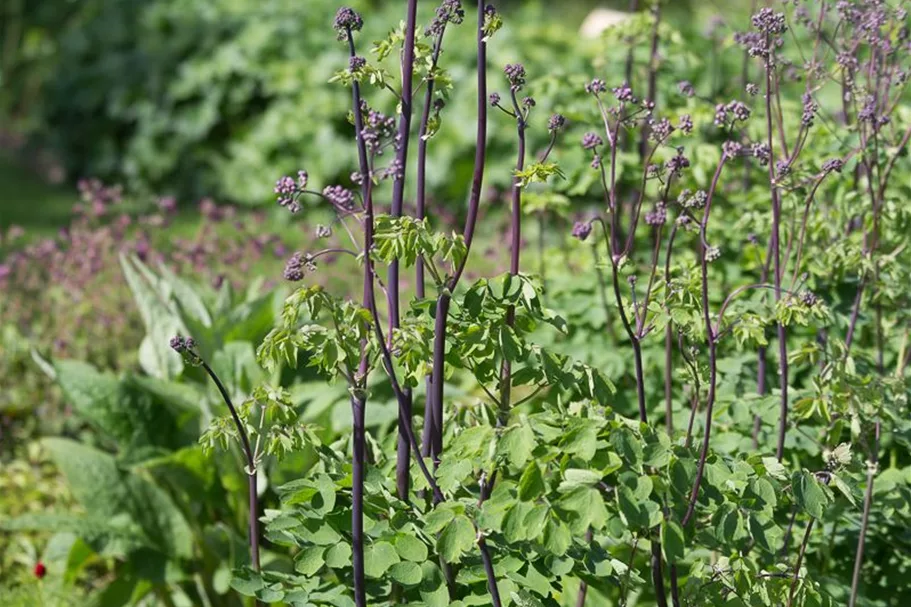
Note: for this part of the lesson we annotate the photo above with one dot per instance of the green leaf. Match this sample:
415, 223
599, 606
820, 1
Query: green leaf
437, 519
576, 477
411, 548
310, 560
628, 446
673, 541
338, 556
109, 492
378, 558
155, 354
531, 484
557, 537
247, 582
406, 574
523, 598
809, 494
588, 505
516, 445
456, 539
514, 527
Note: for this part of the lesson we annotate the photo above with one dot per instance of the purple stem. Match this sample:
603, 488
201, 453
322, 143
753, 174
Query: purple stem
652, 80
776, 256
515, 251
712, 345
474, 202
358, 398
251, 465
403, 460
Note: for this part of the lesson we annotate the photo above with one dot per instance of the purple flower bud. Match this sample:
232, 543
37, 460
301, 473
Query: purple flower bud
752, 89
809, 111
347, 19
494, 99
294, 268
658, 216
356, 63
582, 230
515, 75
685, 124
556, 122
528, 102
596, 87
678, 163
732, 149
808, 298
761, 152
768, 21
834, 164
591, 141
661, 130
450, 11
624, 94
339, 197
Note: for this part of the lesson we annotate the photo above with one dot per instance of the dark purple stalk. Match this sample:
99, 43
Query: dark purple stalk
358, 398
652, 80
800, 555
776, 256
403, 460
669, 342
251, 465
668, 383
675, 591
865, 518
485, 552
762, 360
515, 251
358, 465
474, 203
421, 213
712, 345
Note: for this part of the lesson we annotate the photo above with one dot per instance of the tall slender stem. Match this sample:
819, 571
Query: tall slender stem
668, 383
712, 345
403, 459
515, 252
358, 398
776, 256
800, 555
435, 435
251, 466
865, 518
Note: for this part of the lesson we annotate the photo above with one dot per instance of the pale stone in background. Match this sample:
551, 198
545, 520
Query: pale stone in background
599, 20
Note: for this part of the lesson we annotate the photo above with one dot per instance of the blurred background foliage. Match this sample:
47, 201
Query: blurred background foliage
201, 97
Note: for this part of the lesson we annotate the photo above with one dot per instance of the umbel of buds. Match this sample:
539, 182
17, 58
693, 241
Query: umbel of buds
347, 19
515, 75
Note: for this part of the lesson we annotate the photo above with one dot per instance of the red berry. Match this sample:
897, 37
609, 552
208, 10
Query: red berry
40, 570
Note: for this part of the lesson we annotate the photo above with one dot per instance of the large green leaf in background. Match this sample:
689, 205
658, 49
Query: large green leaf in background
108, 492
125, 410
